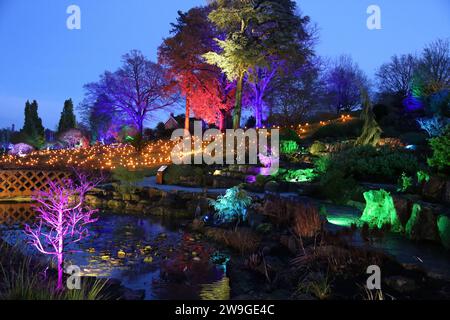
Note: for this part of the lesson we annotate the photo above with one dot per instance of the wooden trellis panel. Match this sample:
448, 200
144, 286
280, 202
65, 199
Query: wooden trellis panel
16, 213
23, 183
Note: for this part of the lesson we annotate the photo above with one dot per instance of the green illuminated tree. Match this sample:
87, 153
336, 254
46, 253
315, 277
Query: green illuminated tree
256, 32
68, 119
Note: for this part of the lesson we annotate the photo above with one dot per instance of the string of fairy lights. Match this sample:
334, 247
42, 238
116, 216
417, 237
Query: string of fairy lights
110, 157
97, 157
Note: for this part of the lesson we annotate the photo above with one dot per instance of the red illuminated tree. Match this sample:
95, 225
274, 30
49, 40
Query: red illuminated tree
207, 92
62, 218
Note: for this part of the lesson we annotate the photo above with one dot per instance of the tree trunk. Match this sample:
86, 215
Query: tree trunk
59, 255
60, 259
238, 105
258, 110
187, 119
141, 127
222, 120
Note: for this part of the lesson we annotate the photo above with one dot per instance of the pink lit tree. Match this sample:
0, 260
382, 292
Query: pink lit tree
62, 218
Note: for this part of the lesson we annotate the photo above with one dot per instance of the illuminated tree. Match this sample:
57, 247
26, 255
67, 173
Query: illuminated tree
192, 36
208, 93
256, 33
343, 84
431, 80
137, 89
434, 66
62, 218
259, 84
295, 92
213, 100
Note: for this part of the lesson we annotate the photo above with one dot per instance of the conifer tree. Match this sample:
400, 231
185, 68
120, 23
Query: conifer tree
68, 119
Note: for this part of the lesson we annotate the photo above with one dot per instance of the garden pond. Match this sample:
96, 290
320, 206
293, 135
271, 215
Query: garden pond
144, 253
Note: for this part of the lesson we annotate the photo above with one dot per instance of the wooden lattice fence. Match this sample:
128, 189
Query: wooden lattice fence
23, 183
16, 213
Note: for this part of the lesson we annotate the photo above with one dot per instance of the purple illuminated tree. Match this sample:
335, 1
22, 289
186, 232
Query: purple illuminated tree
344, 81
136, 90
295, 92
62, 218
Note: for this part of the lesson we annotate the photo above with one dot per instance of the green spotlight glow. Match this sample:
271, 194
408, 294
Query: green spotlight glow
422, 176
288, 146
380, 210
444, 230
342, 221
413, 220
302, 175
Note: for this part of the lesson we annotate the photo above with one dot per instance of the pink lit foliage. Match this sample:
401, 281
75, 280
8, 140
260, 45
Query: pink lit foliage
62, 218
267, 159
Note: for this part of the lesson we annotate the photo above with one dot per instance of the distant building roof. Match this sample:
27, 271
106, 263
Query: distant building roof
177, 122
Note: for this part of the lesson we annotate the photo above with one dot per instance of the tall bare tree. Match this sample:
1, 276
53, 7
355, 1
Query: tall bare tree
137, 89
434, 66
396, 76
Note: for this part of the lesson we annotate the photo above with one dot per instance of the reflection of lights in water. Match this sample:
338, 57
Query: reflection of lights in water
118, 247
219, 290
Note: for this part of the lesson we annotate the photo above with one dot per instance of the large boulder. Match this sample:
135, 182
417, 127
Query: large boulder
403, 208
423, 222
433, 189
447, 192
443, 223
272, 186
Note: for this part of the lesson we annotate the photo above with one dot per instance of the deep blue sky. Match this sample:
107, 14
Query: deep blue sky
41, 59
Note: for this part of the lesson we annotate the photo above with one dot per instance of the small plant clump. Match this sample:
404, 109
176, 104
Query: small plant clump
232, 207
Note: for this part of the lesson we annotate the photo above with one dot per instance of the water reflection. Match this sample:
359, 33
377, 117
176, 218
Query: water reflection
429, 256
15, 213
144, 253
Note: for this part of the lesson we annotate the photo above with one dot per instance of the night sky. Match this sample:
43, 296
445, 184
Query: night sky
41, 59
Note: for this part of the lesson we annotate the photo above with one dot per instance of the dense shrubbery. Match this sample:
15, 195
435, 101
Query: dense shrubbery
287, 134
128, 179
342, 171
288, 147
21, 137
299, 175
441, 151
243, 240
345, 130
176, 173
367, 163
338, 187
317, 148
